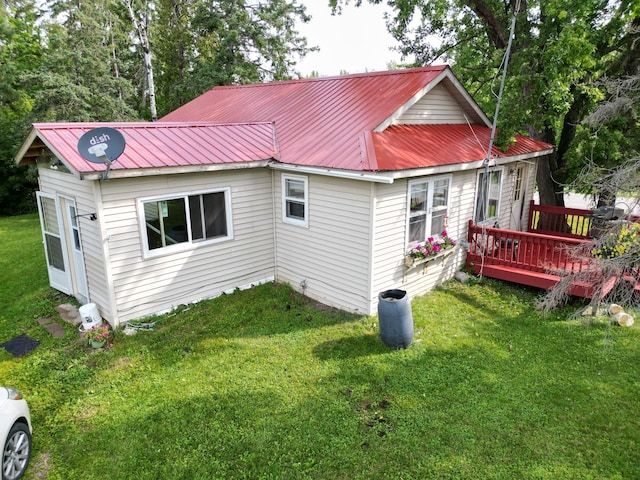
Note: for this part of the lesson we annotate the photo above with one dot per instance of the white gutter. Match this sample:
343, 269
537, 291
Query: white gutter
387, 177
461, 167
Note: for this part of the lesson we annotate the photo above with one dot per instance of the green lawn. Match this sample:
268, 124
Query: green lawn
266, 384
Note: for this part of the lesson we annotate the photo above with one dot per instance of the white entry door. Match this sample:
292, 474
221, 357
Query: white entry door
79, 276
53, 234
519, 178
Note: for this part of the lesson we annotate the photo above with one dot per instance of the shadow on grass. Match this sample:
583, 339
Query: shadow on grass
263, 310
351, 347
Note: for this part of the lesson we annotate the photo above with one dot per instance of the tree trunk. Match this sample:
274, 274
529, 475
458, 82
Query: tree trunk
141, 30
152, 89
550, 192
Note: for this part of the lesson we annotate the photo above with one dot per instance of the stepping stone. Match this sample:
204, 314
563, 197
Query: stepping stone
69, 313
51, 326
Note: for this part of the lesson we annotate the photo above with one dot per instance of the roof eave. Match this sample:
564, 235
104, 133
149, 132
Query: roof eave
461, 167
148, 172
24, 148
22, 158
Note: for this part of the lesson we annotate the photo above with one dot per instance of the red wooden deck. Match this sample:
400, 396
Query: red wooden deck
532, 258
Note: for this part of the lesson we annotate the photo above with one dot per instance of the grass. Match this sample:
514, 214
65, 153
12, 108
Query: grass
265, 384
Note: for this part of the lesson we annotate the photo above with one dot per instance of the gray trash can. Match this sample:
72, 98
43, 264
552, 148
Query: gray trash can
395, 318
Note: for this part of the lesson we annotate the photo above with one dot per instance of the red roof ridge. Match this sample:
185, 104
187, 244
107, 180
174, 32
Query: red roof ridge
145, 124
405, 71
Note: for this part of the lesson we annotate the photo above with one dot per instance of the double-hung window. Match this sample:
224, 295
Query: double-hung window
488, 200
295, 200
185, 219
428, 208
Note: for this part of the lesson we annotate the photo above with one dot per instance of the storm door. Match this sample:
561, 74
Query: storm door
79, 276
55, 247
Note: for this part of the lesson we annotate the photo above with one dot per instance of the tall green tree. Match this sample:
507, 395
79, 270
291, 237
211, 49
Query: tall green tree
176, 52
610, 135
560, 49
81, 79
20, 54
207, 43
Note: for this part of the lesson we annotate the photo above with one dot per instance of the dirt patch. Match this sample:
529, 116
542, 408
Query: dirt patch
41, 466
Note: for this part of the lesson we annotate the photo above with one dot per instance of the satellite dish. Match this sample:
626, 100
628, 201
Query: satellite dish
101, 145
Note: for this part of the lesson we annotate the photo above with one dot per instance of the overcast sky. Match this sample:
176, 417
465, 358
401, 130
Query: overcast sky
355, 41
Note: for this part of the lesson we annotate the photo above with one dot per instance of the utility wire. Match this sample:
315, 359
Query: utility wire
485, 178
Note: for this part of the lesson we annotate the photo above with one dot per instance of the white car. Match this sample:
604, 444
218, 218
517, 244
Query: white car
15, 433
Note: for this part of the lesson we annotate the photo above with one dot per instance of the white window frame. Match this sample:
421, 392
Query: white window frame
430, 181
493, 219
190, 243
286, 218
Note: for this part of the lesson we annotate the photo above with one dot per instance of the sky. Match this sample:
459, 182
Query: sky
355, 41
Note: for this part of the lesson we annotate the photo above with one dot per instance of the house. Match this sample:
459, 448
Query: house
321, 183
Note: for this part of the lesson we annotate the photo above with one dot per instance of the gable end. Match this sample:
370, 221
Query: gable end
451, 104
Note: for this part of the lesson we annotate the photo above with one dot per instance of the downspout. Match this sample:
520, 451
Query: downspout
275, 233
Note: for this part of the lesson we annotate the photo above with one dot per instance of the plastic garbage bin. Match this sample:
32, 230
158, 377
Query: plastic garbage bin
395, 318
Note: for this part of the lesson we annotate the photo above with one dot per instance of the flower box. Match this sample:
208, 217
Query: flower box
411, 262
436, 247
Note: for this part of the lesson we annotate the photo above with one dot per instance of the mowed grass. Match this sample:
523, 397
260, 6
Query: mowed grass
265, 384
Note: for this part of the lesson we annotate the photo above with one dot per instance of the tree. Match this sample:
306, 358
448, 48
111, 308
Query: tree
79, 60
80, 80
560, 49
615, 251
225, 42
610, 135
140, 18
20, 53
176, 52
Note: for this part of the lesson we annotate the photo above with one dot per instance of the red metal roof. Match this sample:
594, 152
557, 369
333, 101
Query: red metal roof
402, 147
157, 145
321, 121
329, 122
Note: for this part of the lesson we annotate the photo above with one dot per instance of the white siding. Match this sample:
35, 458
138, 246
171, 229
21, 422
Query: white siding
144, 286
83, 192
331, 257
390, 239
437, 106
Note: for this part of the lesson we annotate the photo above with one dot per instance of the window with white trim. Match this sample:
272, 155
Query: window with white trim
488, 199
185, 219
295, 200
428, 208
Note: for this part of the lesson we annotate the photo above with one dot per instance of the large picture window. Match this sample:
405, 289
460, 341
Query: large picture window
428, 208
187, 219
295, 200
488, 199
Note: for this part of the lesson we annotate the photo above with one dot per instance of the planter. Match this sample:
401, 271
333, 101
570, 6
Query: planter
411, 262
95, 344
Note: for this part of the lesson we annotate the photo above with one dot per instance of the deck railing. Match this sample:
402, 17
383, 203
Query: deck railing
535, 252
564, 222
560, 221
